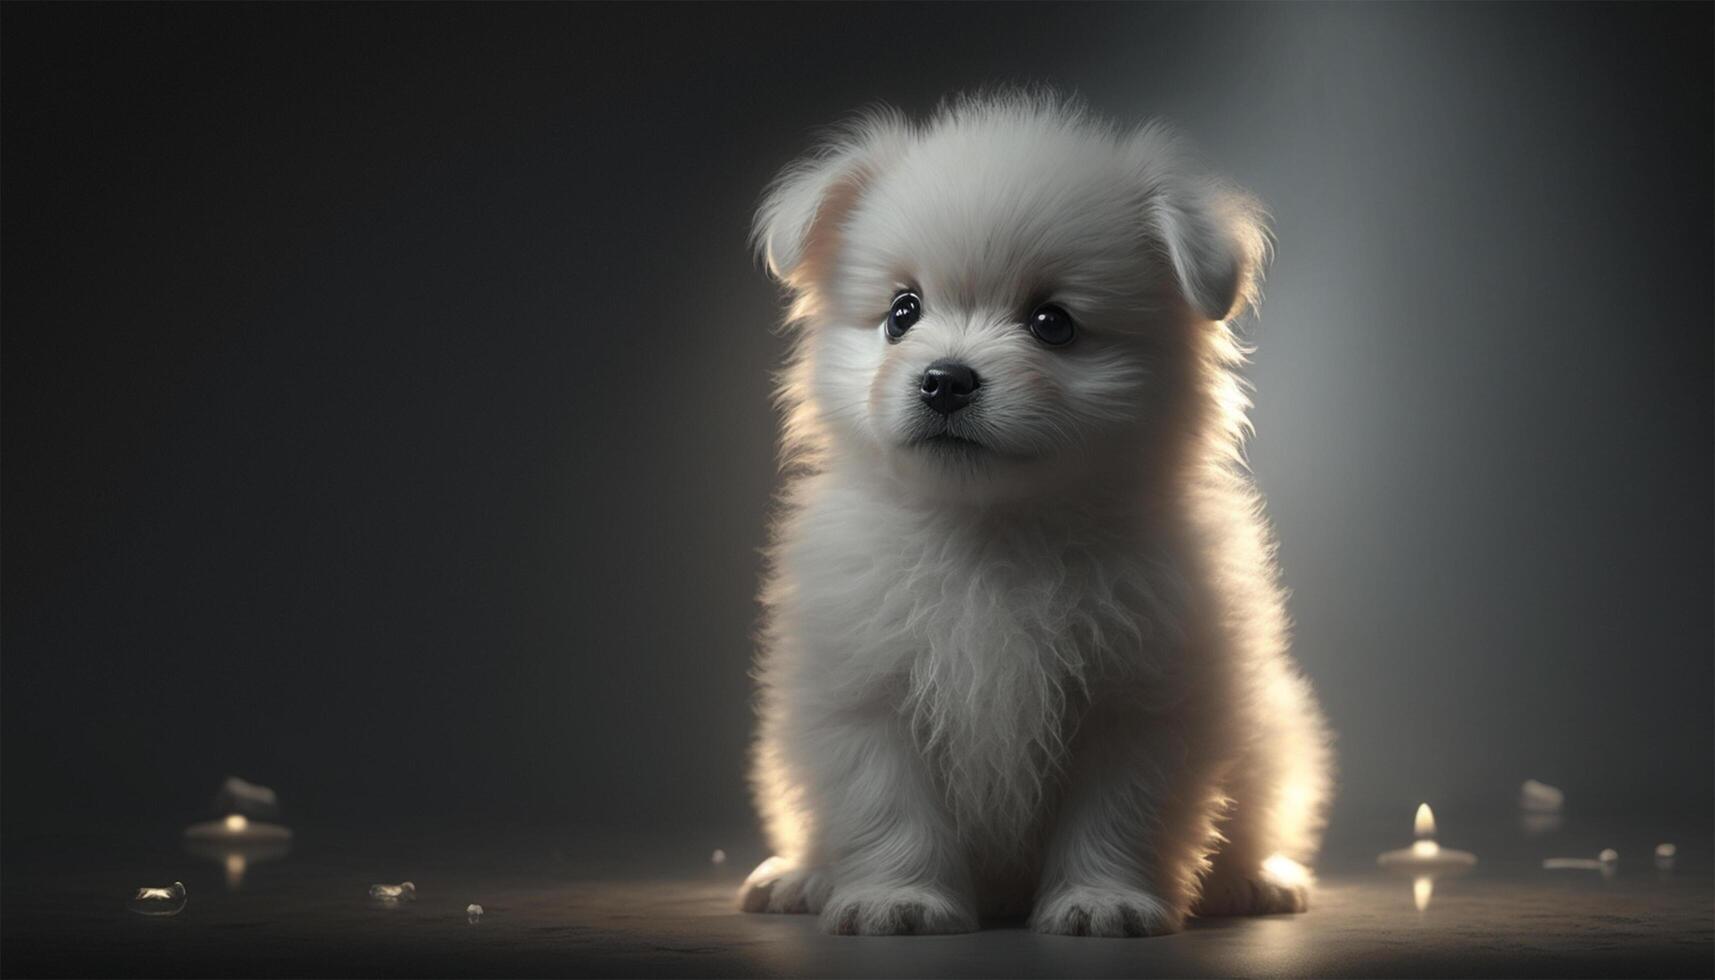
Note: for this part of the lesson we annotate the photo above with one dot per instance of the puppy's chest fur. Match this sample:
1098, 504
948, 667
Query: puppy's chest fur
988, 637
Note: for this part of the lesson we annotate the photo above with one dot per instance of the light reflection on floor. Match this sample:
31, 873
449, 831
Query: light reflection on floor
653, 907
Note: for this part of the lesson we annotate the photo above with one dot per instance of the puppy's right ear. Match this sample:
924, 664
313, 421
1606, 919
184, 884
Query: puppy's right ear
797, 228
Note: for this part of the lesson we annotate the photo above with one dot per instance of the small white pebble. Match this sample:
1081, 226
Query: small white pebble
1608, 855
159, 901
1665, 850
473, 911
718, 857
1536, 797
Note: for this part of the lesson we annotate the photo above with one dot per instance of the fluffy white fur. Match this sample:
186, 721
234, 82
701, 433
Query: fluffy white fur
1049, 676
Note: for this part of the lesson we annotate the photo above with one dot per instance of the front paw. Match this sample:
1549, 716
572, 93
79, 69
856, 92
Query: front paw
1084, 910
881, 910
779, 886
1252, 895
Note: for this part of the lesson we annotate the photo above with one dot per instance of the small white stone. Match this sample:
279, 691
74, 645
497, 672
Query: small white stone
1538, 797
159, 901
1608, 855
473, 911
393, 893
718, 857
238, 796
1666, 851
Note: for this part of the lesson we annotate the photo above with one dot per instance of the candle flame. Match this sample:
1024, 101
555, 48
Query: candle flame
1425, 822
1422, 889
236, 822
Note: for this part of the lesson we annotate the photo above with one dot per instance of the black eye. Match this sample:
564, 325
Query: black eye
1051, 325
906, 309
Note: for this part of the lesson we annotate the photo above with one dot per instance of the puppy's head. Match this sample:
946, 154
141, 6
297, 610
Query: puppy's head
1008, 298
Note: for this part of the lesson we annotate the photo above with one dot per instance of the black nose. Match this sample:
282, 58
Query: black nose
949, 386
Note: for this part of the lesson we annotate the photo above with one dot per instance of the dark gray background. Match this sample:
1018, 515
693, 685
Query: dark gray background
386, 388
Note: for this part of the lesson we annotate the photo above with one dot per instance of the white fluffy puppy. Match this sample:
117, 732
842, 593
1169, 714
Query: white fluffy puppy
1024, 650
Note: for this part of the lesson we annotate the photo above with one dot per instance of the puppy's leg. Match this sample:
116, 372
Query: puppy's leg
1132, 834
1248, 875
787, 882
1278, 791
781, 885
884, 833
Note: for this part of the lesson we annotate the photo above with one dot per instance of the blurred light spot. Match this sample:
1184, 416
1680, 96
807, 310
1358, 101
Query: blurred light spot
1422, 890
1285, 871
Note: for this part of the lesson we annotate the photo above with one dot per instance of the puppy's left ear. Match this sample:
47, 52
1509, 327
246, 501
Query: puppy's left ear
1214, 236
798, 227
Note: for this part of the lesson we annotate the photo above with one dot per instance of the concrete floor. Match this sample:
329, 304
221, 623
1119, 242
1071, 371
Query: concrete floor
656, 908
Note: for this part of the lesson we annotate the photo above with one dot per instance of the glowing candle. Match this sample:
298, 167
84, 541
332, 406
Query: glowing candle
236, 827
1426, 855
237, 842
1425, 860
